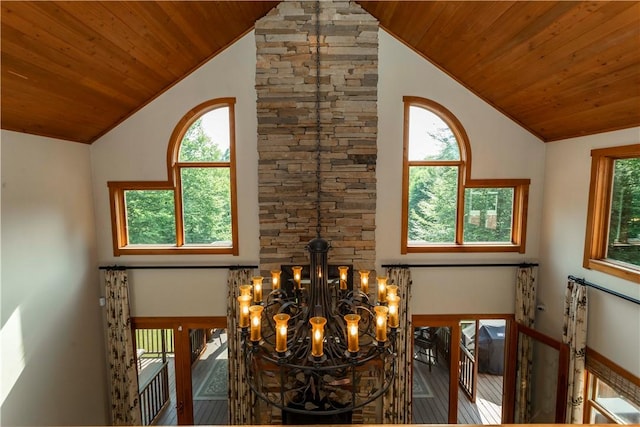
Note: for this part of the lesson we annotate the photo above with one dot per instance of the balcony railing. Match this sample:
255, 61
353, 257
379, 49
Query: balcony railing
155, 342
467, 378
154, 394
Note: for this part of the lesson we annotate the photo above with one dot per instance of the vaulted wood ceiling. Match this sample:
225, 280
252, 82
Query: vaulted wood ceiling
74, 70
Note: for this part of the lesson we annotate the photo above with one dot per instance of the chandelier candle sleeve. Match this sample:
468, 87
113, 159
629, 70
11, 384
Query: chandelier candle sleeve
245, 289
394, 316
352, 332
364, 281
381, 323
392, 290
297, 275
275, 279
243, 317
281, 320
343, 276
255, 312
257, 289
317, 335
382, 289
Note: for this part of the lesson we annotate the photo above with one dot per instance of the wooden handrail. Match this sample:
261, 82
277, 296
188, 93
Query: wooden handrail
467, 378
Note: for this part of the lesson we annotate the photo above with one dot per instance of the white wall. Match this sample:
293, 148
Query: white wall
500, 149
53, 363
137, 149
613, 324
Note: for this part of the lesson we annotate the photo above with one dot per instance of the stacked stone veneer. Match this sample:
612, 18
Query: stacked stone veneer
286, 105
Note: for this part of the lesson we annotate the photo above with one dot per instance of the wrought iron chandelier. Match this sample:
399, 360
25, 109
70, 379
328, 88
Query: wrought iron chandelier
315, 347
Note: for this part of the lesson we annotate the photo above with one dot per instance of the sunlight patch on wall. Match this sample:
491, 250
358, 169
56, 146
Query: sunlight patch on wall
12, 354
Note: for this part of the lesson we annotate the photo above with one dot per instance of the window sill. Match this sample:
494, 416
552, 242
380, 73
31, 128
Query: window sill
174, 250
452, 248
613, 269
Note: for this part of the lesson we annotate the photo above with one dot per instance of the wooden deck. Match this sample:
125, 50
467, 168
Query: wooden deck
434, 408
205, 412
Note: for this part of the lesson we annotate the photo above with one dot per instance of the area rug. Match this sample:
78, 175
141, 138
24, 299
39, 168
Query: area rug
216, 385
421, 387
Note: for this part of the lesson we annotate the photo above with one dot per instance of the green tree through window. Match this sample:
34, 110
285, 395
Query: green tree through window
624, 222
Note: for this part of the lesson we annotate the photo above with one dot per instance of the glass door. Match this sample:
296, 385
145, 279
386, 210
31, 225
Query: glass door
431, 374
209, 375
155, 352
540, 385
482, 368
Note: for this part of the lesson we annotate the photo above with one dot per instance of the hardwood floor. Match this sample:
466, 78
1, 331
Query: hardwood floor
205, 412
433, 409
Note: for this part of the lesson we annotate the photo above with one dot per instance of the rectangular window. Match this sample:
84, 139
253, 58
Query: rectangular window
432, 204
624, 221
488, 215
150, 217
612, 241
206, 205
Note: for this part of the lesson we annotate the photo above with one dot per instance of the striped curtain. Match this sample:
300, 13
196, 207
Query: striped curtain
525, 311
125, 402
240, 399
575, 335
397, 400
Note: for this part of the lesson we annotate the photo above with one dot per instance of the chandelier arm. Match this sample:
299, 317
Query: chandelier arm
387, 380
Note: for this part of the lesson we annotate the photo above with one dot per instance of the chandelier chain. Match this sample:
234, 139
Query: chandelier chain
318, 124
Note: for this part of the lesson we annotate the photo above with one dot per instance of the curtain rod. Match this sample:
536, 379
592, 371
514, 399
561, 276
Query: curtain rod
174, 267
600, 288
518, 264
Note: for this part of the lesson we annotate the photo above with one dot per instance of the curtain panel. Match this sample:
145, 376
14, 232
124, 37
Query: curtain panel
240, 399
525, 312
397, 400
123, 377
574, 333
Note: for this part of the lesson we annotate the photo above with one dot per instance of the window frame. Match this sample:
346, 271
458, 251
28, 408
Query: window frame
591, 379
520, 190
174, 166
598, 211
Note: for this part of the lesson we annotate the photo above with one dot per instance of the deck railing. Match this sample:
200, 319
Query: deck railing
154, 395
155, 342
467, 373
198, 343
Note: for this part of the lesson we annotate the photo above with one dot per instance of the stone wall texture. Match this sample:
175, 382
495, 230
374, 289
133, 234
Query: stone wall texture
287, 133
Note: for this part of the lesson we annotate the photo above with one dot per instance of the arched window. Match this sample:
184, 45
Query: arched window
194, 211
443, 209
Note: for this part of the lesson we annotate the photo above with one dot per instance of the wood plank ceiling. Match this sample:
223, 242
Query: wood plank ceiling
74, 70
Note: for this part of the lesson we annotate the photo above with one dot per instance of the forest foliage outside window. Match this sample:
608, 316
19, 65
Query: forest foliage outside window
443, 209
612, 243
195, 210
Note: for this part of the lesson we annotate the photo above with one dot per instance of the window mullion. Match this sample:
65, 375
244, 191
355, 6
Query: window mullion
178, 206
460, 209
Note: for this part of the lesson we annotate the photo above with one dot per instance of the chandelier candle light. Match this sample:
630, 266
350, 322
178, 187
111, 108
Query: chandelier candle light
364, 281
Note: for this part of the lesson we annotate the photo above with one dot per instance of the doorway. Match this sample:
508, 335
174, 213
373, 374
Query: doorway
463, 360
182, 370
